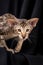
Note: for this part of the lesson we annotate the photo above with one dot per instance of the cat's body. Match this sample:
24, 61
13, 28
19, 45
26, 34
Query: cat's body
20, 28
6, 31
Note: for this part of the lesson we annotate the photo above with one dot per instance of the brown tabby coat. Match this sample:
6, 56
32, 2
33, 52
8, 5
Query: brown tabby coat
10, 27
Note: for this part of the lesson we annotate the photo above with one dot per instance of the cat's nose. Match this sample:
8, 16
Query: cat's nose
23, 36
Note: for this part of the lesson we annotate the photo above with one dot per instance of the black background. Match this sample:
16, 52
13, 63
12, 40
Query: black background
31, 53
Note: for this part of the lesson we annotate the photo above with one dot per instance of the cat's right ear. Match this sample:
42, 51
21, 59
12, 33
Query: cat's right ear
12, 21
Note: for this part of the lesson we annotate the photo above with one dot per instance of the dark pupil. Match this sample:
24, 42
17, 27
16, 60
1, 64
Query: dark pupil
19, 30
27, 30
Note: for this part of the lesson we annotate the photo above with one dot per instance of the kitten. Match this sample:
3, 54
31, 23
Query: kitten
13, 27
23, 28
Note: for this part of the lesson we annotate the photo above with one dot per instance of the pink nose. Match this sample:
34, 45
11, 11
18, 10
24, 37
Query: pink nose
23, 35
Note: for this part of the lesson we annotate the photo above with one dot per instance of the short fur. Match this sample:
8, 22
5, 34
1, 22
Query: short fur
10, 27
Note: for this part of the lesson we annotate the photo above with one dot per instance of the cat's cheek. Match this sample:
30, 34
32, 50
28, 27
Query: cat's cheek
26, 36
20, 37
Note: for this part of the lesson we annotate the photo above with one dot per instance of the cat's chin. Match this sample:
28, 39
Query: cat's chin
24, 39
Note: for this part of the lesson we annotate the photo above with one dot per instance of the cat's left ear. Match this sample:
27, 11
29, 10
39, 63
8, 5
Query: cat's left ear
33, 21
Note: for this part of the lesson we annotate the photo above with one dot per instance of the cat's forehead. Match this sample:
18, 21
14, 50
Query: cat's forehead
23, 22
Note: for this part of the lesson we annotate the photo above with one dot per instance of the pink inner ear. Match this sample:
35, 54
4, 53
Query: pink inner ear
12, 22
32, 23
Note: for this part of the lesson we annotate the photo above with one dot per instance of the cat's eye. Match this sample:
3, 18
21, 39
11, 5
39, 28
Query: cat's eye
19, 30
27, 30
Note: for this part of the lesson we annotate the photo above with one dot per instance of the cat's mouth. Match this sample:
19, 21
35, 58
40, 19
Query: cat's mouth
24, 38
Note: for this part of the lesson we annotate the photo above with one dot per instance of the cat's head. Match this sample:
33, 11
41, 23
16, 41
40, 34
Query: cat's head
23, 27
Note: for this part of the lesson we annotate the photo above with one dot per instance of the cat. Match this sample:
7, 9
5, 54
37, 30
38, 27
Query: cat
20, 28
24, 28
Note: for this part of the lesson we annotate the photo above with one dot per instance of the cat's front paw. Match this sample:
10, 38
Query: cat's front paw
10, 50
17, 50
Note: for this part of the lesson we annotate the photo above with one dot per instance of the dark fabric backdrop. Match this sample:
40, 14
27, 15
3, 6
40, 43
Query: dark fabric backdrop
30, 54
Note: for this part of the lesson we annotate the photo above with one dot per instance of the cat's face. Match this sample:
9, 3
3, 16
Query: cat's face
23, 32
24, 27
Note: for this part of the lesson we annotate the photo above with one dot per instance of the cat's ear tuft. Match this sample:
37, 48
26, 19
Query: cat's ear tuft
33, 21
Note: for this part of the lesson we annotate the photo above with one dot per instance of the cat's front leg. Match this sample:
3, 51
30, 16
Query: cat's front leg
3, 44
19, 46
